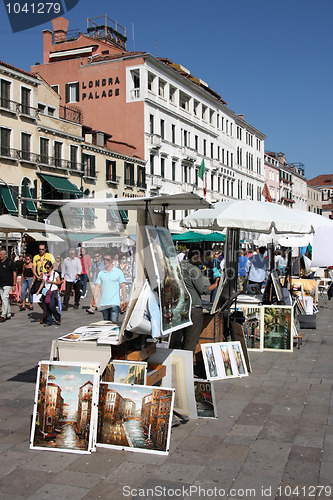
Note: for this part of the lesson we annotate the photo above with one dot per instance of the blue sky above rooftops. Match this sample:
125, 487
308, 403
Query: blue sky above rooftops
271, 61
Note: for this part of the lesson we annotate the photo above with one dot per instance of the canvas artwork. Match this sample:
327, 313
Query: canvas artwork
175, 301
135, 417
205, 398
278, 328
251, 327
65, 413
224, 360
125, 372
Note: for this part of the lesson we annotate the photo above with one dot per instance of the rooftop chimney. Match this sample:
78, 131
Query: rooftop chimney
60, 28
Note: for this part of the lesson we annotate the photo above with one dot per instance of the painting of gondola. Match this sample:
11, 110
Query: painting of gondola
125, 372
175, 301
224, 360
278, 328
135, 417
205, 398
65, 414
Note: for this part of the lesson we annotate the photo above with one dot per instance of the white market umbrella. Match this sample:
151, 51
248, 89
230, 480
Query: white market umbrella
258, 216
13, 224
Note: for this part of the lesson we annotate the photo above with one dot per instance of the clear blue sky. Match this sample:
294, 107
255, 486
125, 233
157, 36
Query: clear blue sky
269, 60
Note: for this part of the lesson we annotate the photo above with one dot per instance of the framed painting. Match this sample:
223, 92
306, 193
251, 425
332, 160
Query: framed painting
205, 398
135, 417
65, 408
179, 375
175, 301
125, 372
224, 360
253, 334
277, 327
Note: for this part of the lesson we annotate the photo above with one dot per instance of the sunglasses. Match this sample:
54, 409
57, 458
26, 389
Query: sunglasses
107, 260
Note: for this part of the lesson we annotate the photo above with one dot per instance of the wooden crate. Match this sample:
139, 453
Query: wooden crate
212, 330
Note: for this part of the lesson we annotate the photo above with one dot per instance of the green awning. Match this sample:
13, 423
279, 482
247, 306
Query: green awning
193, 236
89, 213
31, 207
61, 184
112, 215
8, 200
124, 216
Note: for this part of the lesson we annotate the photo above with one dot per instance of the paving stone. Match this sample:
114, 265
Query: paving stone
193, 443
73, 478
280, 428
186, 473
301, 472
218, 476
134, 475
106, 491
98, 463
23, 482
290, 410
49, 461
56, 491
164, 486
245, 430
189, 457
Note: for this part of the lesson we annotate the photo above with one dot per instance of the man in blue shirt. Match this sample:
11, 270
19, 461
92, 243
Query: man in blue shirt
257, 268
110, 283
242, 260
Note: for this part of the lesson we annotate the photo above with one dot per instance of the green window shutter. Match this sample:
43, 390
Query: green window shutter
67, 92
132, 174
93, 168
77, 91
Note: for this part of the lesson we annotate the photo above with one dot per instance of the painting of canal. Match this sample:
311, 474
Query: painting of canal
278, 323
175, 301
125, 372
205, 398
65, 406
135, 417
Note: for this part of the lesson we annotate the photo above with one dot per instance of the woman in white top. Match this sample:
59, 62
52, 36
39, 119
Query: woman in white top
50, 285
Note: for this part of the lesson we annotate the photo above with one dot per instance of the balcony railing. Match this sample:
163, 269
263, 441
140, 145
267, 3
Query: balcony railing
189, 154
75, 166
10, 153
115, 179
155, 141
135, 94
71, 115
25, 110
9, 105
141, 184
27, 156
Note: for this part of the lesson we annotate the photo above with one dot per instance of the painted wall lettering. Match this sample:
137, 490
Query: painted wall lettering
103, 82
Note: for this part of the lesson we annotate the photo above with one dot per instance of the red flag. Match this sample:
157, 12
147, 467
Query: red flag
266, 194
205, 186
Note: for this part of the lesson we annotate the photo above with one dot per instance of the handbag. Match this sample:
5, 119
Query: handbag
34, 287
48, 297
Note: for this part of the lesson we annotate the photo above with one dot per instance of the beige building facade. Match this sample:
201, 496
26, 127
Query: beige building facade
46, 152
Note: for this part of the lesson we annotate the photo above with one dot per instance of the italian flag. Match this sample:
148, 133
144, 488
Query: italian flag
201, 174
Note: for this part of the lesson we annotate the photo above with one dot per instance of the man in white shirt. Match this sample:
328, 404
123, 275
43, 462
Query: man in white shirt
71, 270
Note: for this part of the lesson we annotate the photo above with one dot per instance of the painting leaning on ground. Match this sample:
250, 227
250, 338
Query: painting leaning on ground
63, 413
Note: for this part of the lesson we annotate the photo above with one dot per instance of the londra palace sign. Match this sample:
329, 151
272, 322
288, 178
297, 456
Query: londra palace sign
94, 89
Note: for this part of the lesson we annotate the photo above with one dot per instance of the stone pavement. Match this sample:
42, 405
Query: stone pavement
274, 432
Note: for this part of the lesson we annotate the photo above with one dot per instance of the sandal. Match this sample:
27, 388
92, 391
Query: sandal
22, 308
31, 308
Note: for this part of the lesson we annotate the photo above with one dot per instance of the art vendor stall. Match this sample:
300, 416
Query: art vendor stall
117, 385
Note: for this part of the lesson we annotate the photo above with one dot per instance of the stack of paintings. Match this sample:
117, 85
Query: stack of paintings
224, 360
